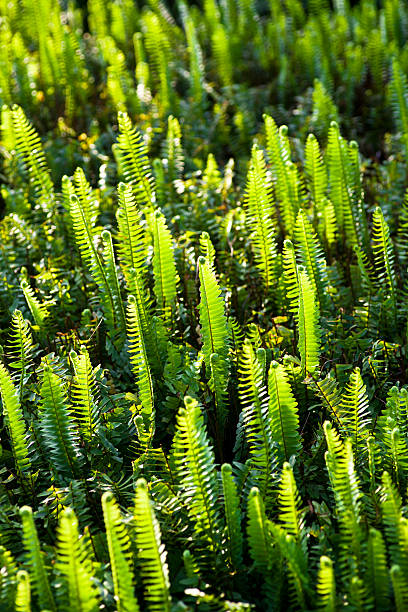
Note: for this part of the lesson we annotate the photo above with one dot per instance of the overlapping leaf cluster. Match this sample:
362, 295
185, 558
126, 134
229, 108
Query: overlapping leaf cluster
203, 305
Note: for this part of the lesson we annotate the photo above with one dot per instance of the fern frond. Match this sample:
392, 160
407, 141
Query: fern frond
308, 325
151, 552
14, 419
38, 572
259, 536
120, 555
131, 240
57, 424
310, 255
207, 250
384, 257
118, 334
340, 192
214, 331
315, 170
29, 146
23, 593
212, 314
399, 94
86, 197
195, 464
259, 215
354, 413
345, 485
78, 590
330, 396
326, 585
138, 357
135, 163
289, 504
290, 276
173, 152
20, 348
92, 260
84, 394
39, 311
256, 419
395, 527
8, 577
232, 517
164, 266
283, 412
296, 562
377, 572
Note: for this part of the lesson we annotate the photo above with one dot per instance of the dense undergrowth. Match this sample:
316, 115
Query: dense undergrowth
203, 305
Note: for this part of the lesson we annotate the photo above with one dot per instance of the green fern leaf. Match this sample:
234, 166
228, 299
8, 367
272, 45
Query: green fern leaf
151, 552
308, 325
15, 421
283, 412
38, 572
195, 464
84, 395
120, 555
326, 585
23, 593
164, 267
232, 516
134, 163
57, 424
78, 591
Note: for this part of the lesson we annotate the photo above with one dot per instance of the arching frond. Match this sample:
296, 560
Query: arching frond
151, 552
120, 555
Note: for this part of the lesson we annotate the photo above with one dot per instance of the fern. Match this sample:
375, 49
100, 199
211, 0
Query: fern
259, 538
256, 419
377, 572
315, 171
345, 485
84, 395
308, 326
57, 425
78, 590
399, 90
29, 147
23, 593
151, 552
326, 585
138, 357
232, 517
384, 257
134, 162
164, 267
15, 422
259, 208
195, 464
101, 274
309, 255
38, 572
283, 412
39, 310
289, 504
119, 554
214, 332
290, 276
355, 416
131, 240
20, 350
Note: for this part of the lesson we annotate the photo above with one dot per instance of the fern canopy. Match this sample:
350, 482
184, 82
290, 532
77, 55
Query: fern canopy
203, 305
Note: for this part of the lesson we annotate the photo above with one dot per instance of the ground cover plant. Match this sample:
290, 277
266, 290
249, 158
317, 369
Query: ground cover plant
203, 305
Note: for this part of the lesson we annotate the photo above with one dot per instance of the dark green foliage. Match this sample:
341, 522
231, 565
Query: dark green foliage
203, 305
